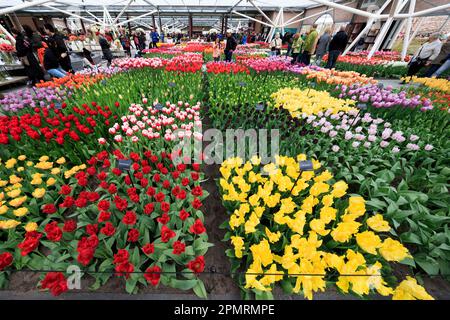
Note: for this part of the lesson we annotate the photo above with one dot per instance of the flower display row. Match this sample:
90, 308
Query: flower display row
171, 122
31, 98
381, 97
225, 67
332, 76
61, 132
299, 229
130, 222
442, 85
309, 101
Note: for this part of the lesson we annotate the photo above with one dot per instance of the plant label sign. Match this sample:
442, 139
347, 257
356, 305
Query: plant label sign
242, 84
306, 165
58, 105
158, 106
124, 165
259, 106
361, 106
172, 84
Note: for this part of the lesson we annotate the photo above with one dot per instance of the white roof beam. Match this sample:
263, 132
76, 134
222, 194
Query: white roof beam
245, 16
136, 18
23, 6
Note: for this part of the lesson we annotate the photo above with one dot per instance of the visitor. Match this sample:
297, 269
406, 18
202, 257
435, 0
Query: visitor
426, 53
322, 45
87, 58
289, 39
61, 49
141, 41
179, 37
230, 47
106, 48
310, 45
162, 37
35, 38
51, 61
275, 45
360, 45
126, 44
26, 55
155, 38
217, 49
135, 40
244, 39
440, 60
336, 47
297, 44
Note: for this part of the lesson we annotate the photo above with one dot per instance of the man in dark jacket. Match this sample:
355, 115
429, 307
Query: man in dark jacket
51, 62
61, 49
26, 55
336, 47
104, 44
230, 47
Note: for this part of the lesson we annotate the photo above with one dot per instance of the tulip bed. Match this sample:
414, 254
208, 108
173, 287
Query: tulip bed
125, 209
382, 64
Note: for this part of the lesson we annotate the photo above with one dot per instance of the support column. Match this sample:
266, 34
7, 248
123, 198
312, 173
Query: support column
154, 21
159, 22
16, 21
223, 25
226, 25
385, 28
190, 27
82, 26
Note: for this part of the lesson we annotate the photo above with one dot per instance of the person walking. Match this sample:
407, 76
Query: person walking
322, 45
26, 55
287, 39
155, 38
106, 48
426, 53
217, 49
51, 61
275, 45
126, 44
336, 47
310, 45
230, 47
297, 44
61, 48
440, 60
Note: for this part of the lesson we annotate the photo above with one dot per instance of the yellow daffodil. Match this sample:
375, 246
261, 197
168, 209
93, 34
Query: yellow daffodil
238, 243
44, 158
14, 193
272, 236
22, 157
55, 171
10, 163
3, 209
61, 160
51, 181
8, 224
261, 252
44, 165
17, 202
20, 212
392, 250
345, 230
39, 193
409, 289
368, 241
377, 223
339, 189
31, 226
